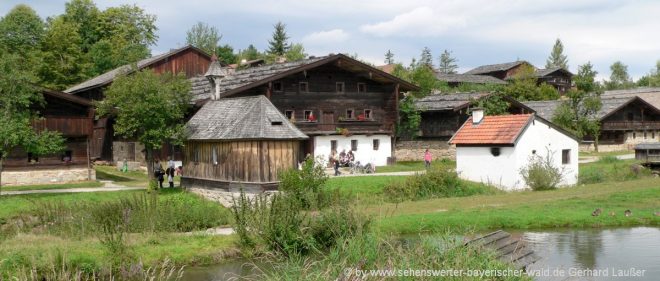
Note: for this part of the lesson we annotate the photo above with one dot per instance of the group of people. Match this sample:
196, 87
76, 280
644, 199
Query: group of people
160, 174
343, 159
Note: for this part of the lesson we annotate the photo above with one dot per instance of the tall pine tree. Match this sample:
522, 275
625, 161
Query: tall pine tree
557, 57
447, 63
279, 45
426, 58
389, 57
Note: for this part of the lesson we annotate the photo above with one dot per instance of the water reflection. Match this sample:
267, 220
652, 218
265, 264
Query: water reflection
607, 250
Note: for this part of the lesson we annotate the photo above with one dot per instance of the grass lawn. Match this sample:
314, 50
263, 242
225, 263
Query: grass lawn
83, 184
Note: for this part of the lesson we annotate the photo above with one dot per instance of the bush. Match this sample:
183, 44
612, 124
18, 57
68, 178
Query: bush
305, 184
436, 182
591, 176
609, 159
541, 174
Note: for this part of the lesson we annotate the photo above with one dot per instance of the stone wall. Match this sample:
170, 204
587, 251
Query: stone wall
226, 196
48, 176
132, 166
414, 150
127, 150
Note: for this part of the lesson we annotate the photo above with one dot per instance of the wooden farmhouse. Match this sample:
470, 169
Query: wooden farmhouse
241, 142
442, 114
73, 118
105, 146
557, 77
338, 102
625, 120
502, 71
494, 149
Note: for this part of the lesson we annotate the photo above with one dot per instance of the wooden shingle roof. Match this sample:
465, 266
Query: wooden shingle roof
469, 78
548, 71
492, 130
245, 118
610, 104
442, 102
494, 67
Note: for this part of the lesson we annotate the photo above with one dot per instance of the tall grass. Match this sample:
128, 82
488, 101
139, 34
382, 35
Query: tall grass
611, 169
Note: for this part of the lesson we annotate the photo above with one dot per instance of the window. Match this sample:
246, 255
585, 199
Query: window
367, 114
339, 86
333, 145
289, 114
214, 155
277, 87
644, 134
362, 87
566, 156
376, 144
196, 154
354, 145
309, 116
350, 114
534, 151
303, 87
634, 135
653, 135
495, 151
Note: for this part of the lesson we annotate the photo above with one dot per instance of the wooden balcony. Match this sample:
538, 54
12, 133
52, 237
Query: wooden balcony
631, 125
67, 126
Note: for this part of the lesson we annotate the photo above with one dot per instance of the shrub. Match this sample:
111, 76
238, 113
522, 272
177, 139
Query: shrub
609, 159
306, 183
541, 173
591, 176
436, 182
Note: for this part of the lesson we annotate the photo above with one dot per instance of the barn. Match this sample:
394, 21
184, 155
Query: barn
239, 143
493, 149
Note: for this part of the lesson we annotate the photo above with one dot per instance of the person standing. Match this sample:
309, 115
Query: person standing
427, 158
335, 162
159, 174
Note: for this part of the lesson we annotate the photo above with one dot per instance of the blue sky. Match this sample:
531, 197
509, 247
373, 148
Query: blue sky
476, 31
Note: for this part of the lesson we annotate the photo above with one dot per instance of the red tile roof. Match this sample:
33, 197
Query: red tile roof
502, 130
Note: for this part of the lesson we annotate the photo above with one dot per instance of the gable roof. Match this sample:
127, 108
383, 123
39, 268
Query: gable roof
495, 67
441, 102
649, 95
469, 78
108, 77
548, 71
245, 118
251, 77
493, 130
610, 104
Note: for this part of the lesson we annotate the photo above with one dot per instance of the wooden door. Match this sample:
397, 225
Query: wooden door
130, 151
328, 121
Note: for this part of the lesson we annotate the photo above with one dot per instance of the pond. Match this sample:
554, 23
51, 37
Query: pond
595, 254
566, 254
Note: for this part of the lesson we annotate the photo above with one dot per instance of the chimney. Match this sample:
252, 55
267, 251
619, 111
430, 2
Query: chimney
477, 115
215, 74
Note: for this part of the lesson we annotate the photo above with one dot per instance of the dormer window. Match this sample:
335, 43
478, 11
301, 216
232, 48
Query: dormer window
303, 87
361, 87
339, 86
277, 87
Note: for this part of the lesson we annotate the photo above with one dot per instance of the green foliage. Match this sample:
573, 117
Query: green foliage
541, 173
249, 53
296, 52
63, 59
524, 87
585, 79
447, 63
557, 57
437, 182
204, 36
426, 59
424, 77
652, 79
279, 44
409, 118
149, 108
21, 30
619, 78
389, 57
493, 104
226, 54
611, 169
305, 184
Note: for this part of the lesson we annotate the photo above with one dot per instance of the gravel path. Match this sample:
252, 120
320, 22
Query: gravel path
590, 159
107, 186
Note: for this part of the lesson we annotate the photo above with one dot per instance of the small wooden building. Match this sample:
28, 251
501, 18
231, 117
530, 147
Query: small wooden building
239, 142
648, 153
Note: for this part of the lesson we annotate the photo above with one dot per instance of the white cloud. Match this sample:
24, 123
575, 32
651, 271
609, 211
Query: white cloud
326, 37
422, 21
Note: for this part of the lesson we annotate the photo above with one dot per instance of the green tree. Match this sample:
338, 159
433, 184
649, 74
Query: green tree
447, 63
524, 87
250, 53
426, 58
204, 36
21, 30
424, 77
557, 57
493, 104
85, 15
619, 78
296, 52
226, 54
577, 114
63, 61
149, 108
409, 118
17, 96
279, 44
652, 79
389, 57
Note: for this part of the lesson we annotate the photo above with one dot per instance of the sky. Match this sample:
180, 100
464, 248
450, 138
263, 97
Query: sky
477, 32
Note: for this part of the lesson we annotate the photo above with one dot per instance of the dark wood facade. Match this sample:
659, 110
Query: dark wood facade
559, 79
636, 117
72, 117
257, 161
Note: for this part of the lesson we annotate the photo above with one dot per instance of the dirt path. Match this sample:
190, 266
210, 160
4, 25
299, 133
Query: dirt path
590, 159
107, 186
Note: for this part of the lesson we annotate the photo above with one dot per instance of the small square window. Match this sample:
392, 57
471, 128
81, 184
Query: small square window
339, 86
566, 156
368, 114
289, 114
361, 87
303, 87
354, 145
309, 115
350, 114
376, 144
333, 145
277, 87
